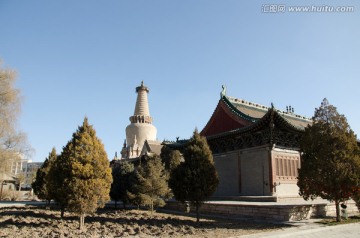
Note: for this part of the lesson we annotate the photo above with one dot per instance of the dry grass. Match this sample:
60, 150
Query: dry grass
36, 222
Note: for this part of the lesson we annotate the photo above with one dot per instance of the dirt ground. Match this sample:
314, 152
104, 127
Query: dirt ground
39, 222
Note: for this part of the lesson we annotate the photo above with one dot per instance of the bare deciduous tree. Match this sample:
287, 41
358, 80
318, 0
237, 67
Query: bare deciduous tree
13, 142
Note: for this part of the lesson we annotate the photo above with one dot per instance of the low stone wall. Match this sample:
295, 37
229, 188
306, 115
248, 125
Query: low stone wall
328, 209
264, 210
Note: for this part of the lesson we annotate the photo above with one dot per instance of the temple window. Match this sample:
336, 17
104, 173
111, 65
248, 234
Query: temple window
287, 167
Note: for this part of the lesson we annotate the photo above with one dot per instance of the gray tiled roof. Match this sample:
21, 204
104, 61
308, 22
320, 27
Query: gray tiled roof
255, 110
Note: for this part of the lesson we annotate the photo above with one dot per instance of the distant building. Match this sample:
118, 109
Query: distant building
25, 167
151, 148
30, 172
255, 148
7, 182
141, 133
19, 165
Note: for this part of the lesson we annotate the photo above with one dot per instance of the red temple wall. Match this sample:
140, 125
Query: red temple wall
223, 120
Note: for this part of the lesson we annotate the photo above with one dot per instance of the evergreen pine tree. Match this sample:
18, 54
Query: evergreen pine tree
115, 185
196, 178
170, 158
58, 174
330, 158
88, 174
42, 183
151, 184
121, 173
175, 159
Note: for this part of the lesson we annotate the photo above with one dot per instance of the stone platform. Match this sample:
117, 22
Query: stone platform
281, 211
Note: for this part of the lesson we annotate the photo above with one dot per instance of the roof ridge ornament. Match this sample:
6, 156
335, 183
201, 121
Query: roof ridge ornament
223, 91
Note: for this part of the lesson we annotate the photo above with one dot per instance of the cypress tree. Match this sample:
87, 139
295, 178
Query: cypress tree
42, 184
330, 158
121, 173
151, 184
115, 185
170, 158
57, 176
88, 174
195, 179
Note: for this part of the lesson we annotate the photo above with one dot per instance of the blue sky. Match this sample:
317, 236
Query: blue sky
85, 58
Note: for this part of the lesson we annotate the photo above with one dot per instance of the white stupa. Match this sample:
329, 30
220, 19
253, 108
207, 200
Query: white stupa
141, 128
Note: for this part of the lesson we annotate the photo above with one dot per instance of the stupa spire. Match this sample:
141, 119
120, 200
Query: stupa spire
141, 127
141, 113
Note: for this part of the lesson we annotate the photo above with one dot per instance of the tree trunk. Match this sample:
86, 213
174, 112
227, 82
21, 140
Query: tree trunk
82, 221
62, 210
47, 205
152, 207
197, 213
338, 214
2, 184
